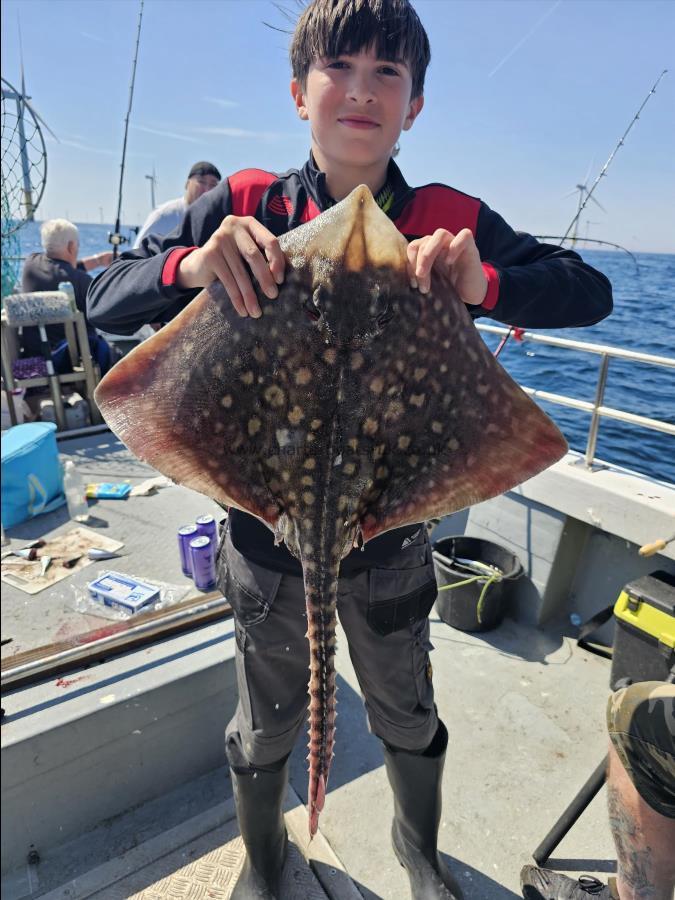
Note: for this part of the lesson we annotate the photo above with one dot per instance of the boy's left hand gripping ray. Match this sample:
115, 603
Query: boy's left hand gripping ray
354, 405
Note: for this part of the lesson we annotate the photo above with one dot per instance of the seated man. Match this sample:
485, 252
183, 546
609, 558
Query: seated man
44, 272
202, 177
641, 796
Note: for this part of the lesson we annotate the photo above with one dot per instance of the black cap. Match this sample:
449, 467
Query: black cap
204, 168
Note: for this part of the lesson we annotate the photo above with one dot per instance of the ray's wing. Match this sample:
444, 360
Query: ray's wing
184, 402
454, 428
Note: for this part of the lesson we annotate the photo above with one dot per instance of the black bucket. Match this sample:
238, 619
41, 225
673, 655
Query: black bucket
479, 569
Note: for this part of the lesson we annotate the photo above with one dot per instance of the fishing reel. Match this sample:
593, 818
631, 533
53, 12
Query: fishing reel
116, 239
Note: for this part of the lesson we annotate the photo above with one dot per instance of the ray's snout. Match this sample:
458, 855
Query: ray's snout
352, 269
349, 314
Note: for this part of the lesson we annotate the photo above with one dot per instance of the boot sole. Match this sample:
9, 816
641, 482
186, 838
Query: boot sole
456, 892
272, 889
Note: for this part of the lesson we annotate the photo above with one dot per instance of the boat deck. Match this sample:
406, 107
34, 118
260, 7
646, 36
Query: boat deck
523, 705
147, 527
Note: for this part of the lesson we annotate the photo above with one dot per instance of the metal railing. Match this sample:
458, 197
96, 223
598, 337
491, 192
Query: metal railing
596, 409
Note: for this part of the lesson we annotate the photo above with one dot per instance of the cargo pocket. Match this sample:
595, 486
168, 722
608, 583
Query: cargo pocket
250, 589
422, 646
399, 598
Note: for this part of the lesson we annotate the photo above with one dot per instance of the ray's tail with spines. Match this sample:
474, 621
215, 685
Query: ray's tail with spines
321, 602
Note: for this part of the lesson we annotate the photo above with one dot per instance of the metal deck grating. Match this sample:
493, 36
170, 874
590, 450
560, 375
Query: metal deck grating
207, 869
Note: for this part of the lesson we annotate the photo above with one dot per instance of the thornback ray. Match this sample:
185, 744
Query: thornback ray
352, 406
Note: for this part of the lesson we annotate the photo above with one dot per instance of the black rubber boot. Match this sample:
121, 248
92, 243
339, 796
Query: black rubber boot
416, 782
259, 795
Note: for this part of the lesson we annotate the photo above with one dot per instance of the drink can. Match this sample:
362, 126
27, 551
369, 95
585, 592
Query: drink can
207, 525
185, 535
203, 566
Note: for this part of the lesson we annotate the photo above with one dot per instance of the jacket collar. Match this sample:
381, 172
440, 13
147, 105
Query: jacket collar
315, 183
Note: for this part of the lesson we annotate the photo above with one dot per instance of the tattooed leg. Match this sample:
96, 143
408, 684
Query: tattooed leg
644, 840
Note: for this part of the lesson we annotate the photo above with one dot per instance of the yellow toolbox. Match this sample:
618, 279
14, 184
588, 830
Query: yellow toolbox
644, 641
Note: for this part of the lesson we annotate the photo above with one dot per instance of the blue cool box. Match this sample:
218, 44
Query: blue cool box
122, 591
31, 474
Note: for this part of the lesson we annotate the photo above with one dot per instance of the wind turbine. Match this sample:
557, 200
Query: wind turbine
153, 181
21, 104
584, 195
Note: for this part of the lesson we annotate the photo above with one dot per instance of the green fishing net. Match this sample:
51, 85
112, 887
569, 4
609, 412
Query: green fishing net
11, 248
24, 173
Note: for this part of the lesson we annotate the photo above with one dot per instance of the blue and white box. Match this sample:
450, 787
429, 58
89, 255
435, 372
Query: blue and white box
123, 592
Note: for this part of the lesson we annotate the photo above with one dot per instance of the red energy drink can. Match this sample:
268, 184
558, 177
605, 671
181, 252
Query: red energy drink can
203, 566
186, 534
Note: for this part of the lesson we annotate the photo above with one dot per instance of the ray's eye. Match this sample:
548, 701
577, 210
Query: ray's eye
311, 310
311, 307
385, 315
380, 304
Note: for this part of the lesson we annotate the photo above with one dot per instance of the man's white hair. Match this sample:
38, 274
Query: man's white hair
57, 233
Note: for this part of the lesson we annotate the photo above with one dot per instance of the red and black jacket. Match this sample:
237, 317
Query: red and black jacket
531, 285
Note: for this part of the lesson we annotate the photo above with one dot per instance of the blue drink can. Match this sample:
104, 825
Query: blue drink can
206, 525
203, 565
185, 535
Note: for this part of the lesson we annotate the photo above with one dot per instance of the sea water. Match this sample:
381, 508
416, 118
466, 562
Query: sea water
642, 320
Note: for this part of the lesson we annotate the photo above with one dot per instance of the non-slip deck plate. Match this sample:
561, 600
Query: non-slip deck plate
207, 869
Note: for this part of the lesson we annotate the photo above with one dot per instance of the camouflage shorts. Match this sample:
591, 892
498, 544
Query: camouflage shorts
641, 724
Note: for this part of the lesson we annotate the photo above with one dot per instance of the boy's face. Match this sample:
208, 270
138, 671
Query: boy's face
357, 106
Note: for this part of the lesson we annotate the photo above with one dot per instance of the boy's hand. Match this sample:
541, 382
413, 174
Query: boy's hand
456, 256
238, 241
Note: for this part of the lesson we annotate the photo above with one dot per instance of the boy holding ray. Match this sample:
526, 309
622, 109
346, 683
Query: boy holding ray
358, 69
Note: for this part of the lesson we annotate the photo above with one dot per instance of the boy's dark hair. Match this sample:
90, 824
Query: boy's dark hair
328, 28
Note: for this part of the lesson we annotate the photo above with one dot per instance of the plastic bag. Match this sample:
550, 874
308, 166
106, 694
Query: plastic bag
80, 600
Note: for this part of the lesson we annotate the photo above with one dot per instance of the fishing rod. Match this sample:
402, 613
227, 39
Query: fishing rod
115, 237
585, 200
606, 166
558, 237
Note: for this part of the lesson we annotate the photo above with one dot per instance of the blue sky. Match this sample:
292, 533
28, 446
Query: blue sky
523, 99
